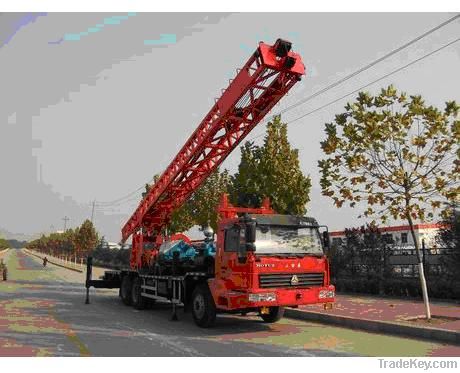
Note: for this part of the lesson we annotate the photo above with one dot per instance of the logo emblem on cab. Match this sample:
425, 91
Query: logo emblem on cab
294, 280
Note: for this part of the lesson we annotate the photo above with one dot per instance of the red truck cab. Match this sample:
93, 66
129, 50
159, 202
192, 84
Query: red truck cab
266, 261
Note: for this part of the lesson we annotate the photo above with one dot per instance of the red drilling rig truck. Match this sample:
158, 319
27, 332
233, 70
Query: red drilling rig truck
260, 261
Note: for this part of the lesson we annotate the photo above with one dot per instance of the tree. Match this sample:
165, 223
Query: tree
448, 238
395, 154
85, 238
271, 170
4, 244
375, 254
16, 244
67, 241
148, 186
201, 208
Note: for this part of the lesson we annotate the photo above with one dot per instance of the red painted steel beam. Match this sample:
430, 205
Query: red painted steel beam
267, 76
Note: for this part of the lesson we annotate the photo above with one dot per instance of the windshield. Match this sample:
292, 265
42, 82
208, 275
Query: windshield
287, 240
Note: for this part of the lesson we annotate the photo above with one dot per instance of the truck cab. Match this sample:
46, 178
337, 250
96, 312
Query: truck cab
266, 261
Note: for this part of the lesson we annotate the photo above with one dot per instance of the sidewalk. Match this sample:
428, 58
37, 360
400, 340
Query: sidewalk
388, 315
57, 261
97, 271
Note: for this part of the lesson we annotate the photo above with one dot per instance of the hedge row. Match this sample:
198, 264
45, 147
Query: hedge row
400, 287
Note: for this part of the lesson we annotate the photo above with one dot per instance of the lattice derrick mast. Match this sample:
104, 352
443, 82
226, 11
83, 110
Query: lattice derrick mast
267, 76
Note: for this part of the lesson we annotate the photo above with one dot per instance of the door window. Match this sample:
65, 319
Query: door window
232, 239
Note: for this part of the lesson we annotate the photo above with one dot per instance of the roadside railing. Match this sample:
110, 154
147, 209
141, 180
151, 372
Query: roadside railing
62, 261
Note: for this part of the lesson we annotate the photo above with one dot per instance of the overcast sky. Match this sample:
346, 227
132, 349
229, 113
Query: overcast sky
113, 97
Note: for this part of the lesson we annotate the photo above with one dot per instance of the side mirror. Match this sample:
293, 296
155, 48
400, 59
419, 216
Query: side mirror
250, 233
326, 241
242, 253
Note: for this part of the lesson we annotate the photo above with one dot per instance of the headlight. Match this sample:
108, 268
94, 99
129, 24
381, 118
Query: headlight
262, 297
326, 294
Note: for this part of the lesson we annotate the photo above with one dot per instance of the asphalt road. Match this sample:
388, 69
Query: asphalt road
42, 313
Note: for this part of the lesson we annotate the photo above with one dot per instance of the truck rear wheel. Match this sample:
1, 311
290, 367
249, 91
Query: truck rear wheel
137, 300
203, 307
275, 314
125, 290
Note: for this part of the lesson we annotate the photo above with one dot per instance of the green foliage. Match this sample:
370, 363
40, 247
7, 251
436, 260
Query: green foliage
54, 244
78, 242
394, 153
399, 287
361, 264
4, 244
85, 238
449, 238
149, 186
271, 170
201, 208
110, 258
15, 244
364, 252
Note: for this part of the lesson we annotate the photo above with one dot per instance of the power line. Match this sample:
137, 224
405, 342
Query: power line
368, 84
119, 199
377, 80
325, 89
368, 66
118, 204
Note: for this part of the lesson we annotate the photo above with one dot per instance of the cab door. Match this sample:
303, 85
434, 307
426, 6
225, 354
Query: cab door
233, 266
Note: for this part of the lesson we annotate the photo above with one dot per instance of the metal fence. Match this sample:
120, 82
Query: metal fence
403, 261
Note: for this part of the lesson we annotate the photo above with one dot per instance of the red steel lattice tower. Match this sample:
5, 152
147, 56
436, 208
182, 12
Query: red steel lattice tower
266, 77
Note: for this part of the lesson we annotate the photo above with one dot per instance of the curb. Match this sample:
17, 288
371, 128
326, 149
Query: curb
56, 264
384, 327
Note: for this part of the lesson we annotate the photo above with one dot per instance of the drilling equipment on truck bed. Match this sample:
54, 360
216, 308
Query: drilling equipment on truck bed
261, 261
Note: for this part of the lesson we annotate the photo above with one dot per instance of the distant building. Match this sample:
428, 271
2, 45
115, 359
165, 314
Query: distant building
400, 236
113, 246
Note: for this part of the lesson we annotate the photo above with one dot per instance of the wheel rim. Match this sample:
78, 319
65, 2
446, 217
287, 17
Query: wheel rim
198, 306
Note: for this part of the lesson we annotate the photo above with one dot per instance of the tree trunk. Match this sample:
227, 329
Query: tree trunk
421, 272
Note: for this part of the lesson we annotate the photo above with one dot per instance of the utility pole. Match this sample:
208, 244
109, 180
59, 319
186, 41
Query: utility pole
66, 219
92, 211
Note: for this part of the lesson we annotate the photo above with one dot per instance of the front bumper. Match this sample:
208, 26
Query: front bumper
279, 297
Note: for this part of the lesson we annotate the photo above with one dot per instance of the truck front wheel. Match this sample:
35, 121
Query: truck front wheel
203, 307
125, 290
275, 314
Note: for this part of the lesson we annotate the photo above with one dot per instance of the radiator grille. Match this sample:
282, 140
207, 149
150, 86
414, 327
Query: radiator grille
287, 280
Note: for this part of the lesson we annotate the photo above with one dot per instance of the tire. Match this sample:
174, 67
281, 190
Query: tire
125, 290
137, 300
203, 307
149, 303
275, 314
